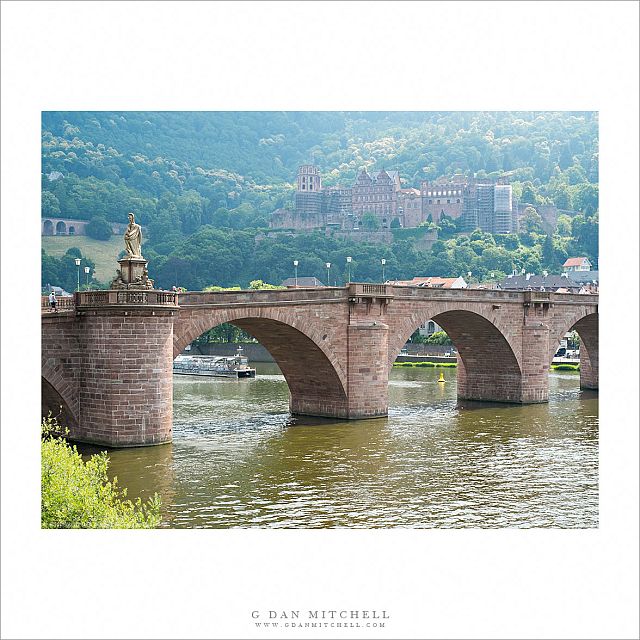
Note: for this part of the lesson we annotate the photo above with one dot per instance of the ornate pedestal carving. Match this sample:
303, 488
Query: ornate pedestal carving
132, 274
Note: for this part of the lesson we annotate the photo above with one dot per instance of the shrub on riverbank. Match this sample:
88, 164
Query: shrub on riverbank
78, 494
565, 367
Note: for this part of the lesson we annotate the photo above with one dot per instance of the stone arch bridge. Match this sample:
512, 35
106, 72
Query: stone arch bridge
107, 355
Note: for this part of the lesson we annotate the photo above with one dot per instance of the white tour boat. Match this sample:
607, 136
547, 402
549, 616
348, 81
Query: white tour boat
236, 366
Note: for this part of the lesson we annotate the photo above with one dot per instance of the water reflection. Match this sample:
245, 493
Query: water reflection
239, 460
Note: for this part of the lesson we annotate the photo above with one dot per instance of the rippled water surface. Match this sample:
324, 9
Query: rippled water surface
238, 459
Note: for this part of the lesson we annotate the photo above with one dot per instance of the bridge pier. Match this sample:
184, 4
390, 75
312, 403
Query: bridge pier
125, 386
534, 385
368, 370
588, 331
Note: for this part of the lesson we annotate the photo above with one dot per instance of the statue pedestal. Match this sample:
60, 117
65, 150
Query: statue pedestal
132, 274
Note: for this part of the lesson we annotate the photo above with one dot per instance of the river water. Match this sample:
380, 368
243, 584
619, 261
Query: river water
238, 459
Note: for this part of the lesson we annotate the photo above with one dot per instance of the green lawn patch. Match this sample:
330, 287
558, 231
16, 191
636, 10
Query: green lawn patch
103, 252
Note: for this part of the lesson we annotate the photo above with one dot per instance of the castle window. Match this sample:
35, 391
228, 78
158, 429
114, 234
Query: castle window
438, 201
448, 201
458, 200
430, 201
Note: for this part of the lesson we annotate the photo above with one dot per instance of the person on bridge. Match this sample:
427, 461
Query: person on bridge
53, 302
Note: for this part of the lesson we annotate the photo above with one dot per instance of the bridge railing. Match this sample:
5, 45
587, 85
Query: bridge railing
369, 290
494, 295
126, 297
251, 296
437, 293
64, 303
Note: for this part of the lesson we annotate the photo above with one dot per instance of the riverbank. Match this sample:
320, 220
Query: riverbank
425, 363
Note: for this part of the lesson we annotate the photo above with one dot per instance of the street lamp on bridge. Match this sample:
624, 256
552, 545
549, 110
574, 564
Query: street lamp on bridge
86, 273
328, 265
295, 266
348, 269
78, 266
383, 263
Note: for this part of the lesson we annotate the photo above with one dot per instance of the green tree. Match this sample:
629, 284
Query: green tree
562, 197
259, 284
79, 495
50, 205
586, 195
529, 194
439, 337
190, 207
563, 225
531, 221
446, 226
370, 222
99, 229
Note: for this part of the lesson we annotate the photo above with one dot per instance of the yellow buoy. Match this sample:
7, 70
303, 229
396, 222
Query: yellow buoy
441, 378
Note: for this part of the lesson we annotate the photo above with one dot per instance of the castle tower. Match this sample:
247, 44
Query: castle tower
308, 179
308, 197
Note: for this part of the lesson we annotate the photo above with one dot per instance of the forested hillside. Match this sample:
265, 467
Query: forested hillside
208, 181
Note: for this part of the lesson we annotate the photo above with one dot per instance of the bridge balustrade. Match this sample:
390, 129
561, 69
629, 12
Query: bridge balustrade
126, 297
194, 298
464, 294
65, 303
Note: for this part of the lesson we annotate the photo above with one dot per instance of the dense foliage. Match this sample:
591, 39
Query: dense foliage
63, 272
78, 494
98, 228
204, 185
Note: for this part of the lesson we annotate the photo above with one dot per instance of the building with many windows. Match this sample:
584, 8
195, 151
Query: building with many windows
484, 205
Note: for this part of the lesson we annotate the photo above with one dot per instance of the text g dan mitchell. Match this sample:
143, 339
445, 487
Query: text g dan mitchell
318, 614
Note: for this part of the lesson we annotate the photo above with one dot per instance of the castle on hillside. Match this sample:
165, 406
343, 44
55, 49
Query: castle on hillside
481, 204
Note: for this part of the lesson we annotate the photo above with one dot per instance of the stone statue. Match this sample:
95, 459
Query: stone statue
133, 239
133, 273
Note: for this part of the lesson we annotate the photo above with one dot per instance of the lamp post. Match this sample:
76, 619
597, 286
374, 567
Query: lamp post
348, 269
383, 263
78, 266
328, 265
295, 266
469, 276
86, 273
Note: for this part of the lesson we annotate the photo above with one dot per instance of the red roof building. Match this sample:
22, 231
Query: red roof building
577, 264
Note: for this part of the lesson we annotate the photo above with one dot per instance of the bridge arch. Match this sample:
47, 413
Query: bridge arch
316, 378
489, 358
59, 396
61, 228
585, 322
47, 228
